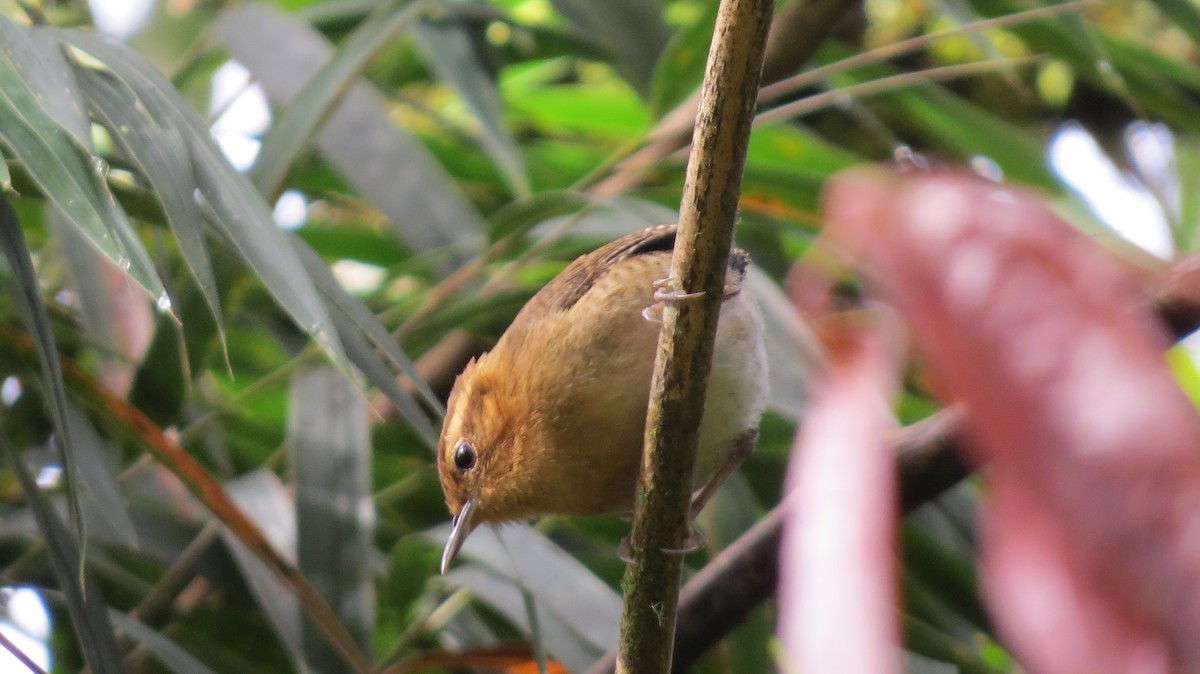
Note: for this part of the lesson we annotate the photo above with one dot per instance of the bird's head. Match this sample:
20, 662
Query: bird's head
482, 453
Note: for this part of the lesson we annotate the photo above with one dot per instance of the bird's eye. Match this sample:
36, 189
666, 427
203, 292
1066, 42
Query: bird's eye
464, 455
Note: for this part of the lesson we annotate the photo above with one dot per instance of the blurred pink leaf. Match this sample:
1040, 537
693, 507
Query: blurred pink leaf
837, 594
1091, 453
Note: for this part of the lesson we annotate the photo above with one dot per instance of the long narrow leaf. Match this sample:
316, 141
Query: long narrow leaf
557, 582
168, 652
85, 605
202, 484
447, 50
5, 176
299, 120
64, 170
33, 313
353, 314
240, 213
633, 32
96, 478
164, 159
1184, 14
331, 455
43, 66
265, 501
386, 164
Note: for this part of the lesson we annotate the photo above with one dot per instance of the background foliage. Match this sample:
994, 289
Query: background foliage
169, 354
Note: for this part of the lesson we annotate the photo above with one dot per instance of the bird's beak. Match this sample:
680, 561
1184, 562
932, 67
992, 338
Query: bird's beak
460, 527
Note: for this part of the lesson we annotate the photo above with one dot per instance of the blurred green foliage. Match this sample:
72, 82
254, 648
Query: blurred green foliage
450, 157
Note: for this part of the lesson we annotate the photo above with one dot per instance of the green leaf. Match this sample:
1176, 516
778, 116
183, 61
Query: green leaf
96, 464
43, 66
518, 217
331, 457
85, 605
794, 353
33, 314
632, 31
604, 110
1184, 14
298, 121
518, 560
63, 169
389, 167
364, 338
5, 176
930, 642
164, 159
266, 502
448, 51
238, 211
168, 652
681, 68
414, 560
1144, 80
954, 123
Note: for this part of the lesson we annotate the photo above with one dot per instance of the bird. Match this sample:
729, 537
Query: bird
552, 419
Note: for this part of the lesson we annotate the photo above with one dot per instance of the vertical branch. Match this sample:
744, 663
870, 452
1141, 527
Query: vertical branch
706, 219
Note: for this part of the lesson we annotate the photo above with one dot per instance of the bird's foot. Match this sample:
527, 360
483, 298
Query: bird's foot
625, 550
667, 290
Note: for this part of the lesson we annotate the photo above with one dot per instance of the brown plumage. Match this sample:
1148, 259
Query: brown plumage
551, 420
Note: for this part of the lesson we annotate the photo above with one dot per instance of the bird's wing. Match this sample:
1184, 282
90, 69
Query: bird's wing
574, 282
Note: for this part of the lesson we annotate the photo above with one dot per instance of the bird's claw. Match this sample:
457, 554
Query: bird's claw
666, 290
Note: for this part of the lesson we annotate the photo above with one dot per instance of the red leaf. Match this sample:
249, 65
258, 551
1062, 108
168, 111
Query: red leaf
1091, 451
837, 599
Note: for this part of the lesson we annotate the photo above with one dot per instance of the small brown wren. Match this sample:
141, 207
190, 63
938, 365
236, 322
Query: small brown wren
551, 420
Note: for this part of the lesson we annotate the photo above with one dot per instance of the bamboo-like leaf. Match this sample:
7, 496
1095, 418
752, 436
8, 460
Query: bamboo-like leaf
5, 176
364, 338
517, 218
557, 582
1143, 79
331, 456
239, 212
1185, 15
99, 494
43, 66
63, 169
265, 500
681, 68
389, 167
298, 121
85, 605
447, 50
85, 268
168, 652
164, 159
632, 31
794, 354
932, 643
33, 313
252, 539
